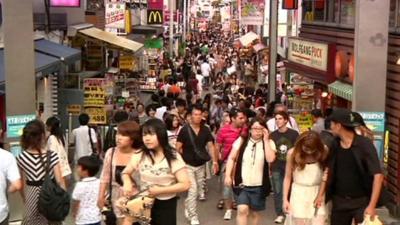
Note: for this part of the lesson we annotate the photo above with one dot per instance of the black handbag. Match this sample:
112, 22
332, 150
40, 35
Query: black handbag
203, 155
109, 215
94, 149
54, 201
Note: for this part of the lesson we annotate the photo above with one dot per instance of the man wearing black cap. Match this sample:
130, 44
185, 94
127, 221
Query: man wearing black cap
355, 178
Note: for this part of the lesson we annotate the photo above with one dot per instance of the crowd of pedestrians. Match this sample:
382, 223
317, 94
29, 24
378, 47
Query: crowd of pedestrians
219, 126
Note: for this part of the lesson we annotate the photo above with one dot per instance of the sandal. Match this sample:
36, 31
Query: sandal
220, 204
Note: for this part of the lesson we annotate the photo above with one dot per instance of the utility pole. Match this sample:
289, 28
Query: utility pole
185, 10
171, 28
273, 50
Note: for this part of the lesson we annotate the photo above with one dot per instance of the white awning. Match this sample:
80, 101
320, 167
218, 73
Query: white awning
112, 39
248, 38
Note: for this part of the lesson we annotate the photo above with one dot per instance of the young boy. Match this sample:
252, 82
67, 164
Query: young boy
86, 192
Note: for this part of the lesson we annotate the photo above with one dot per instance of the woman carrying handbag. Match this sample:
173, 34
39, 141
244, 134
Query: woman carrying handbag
305, 176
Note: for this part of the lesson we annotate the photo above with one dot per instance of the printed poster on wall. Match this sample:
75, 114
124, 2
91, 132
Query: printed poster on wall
115, 15
94, 100
252, 12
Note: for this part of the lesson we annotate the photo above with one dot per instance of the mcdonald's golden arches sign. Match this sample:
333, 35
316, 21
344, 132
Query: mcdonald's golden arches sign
154, 17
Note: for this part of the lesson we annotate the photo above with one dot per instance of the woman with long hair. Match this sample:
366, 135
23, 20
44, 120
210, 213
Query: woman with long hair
32, 164
247, 171
56, 143
129, 143
162, 173
173, 128
305, 176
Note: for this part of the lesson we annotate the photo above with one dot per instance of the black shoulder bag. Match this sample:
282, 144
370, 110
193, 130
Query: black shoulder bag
203, 155
94, 149
54, 201
110, 217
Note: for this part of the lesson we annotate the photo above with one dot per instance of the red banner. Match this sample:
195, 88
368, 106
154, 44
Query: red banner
155, 4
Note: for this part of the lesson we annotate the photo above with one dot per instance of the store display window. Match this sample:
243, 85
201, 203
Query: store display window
332, 12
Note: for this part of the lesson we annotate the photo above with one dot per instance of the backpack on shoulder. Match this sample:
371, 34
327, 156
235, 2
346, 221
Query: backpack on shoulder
54, 201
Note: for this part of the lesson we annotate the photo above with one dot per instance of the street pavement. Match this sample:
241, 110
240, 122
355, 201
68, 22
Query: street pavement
210, 215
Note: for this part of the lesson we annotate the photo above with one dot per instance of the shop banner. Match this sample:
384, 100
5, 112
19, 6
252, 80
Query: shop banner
376, 122
252, 12
307, 53
94, 99
115, 15
74, 110
155, 4
15, 124
156, 43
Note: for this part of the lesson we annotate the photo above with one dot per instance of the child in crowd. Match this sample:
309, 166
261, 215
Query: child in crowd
86, 192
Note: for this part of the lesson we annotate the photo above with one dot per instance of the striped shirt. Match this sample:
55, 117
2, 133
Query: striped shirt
33, 167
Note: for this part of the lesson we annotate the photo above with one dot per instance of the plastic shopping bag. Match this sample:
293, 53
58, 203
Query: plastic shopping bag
368, 221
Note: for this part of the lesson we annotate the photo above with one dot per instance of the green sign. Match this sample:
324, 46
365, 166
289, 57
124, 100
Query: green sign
154, 43
15, 124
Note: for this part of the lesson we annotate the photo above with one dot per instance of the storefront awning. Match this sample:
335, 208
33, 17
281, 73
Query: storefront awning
112, 39
248, 38
44, 64
342, 90
62, 52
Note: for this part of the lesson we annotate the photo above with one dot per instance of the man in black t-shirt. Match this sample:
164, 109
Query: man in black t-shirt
355, 178
193, 141
284, 139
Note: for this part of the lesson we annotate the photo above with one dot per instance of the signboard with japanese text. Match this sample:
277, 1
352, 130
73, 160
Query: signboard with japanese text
126, 62
94, 99
252, 12
115, 15
304, 121
74, 110
307, 53
15, 124
375, 121
154, 17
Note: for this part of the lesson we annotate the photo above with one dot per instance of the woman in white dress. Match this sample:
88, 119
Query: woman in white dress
56, 143
306, 176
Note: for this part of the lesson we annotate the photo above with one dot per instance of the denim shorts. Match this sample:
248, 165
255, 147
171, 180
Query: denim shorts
227, 193
253, 197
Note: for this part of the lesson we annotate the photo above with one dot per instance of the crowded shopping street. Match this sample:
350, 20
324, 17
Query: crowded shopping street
189, 112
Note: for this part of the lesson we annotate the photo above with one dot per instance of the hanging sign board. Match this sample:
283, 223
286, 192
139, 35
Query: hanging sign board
308, 53
115, 15
94, 99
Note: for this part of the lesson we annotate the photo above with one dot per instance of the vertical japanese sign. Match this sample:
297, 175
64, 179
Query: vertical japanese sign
376, 122
115, 15
252, 12
94, 100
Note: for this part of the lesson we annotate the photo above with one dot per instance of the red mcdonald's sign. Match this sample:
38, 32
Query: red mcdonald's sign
290, 4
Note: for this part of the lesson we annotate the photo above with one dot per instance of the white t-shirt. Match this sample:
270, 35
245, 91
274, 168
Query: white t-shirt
160, 112
205, 69
8, 173
56, 146
80, 136
87, 192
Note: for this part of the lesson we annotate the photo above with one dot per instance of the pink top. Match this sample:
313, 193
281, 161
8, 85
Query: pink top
227, 135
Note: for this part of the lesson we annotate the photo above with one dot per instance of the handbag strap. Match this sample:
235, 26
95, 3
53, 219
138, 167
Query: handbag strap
190, 131
111, 176
91, 141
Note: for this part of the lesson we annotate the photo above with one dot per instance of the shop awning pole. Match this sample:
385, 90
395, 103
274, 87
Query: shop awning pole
184, 20
171, 28
273, 50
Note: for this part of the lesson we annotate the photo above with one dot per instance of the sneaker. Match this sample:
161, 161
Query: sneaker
194, 221
279, 219
202, 197
228, 214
